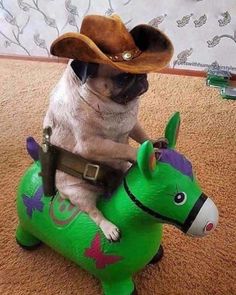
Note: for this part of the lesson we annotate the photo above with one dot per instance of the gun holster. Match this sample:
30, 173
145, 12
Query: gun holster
48, 170
47, 157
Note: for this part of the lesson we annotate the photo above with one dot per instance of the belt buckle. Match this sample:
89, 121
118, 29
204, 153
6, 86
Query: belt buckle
93, 178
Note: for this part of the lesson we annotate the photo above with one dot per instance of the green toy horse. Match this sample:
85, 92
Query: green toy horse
154, 191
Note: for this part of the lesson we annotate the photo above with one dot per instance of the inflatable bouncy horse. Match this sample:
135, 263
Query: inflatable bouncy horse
154, 191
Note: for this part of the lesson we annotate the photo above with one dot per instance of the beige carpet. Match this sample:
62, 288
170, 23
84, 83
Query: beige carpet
207, 137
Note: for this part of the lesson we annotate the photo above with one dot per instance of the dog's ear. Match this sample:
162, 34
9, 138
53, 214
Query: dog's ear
84, 69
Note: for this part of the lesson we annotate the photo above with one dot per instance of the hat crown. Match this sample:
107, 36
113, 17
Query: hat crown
108, 33
106, 40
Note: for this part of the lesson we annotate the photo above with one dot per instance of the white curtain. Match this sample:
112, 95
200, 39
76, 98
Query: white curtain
203, 31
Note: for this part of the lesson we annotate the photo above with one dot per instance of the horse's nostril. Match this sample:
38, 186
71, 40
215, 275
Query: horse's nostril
209, 226
206, 220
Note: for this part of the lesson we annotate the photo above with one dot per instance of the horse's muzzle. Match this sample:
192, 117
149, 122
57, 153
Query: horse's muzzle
205, 219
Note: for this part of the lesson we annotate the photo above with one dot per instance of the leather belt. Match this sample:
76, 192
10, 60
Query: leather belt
77, 166
54, 158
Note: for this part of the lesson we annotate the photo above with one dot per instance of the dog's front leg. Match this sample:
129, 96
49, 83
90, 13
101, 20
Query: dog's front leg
85, 199
110, 230
138, 134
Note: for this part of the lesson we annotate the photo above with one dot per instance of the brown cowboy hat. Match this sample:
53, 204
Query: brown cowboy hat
106, 40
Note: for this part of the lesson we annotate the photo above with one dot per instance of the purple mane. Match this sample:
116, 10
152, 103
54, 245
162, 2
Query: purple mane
177, 161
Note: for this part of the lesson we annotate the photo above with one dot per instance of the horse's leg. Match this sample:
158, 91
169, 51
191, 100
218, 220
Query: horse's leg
135, 292
158, 256
25, 239
121, 287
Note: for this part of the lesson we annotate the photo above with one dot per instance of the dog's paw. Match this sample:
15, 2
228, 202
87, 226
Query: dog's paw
111, 232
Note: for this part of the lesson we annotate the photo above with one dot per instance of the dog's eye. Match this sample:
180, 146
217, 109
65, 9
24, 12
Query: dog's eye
122, 79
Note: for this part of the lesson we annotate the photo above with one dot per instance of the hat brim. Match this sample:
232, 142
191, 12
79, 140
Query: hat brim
156, 50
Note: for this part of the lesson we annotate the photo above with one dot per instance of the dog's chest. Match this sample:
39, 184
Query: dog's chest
113, 123
119, 125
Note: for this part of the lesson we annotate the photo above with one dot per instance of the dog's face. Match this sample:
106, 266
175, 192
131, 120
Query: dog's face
109, 83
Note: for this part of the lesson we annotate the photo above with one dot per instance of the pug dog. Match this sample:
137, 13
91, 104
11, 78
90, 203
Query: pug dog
93, 112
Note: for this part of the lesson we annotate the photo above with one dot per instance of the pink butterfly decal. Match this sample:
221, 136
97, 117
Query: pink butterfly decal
95, 252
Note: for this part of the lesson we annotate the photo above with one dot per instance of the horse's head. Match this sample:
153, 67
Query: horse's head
168, 190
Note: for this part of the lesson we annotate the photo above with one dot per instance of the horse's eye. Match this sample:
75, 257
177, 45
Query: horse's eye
180, 198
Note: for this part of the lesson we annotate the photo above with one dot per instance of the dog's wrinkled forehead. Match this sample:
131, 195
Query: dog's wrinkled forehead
108, 71
84, 70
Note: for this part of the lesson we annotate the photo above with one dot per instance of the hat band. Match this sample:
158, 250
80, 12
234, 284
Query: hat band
125, 56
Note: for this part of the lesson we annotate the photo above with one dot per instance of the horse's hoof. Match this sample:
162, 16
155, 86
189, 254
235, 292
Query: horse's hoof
158, 256
135, 292
29, 248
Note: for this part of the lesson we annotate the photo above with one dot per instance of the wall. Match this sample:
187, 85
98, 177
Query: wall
203, 31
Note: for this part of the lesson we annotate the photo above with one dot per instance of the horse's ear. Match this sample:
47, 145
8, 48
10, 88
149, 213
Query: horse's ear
146, 159
172, 130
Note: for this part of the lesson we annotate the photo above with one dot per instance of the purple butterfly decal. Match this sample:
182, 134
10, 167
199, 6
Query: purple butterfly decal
34, 203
